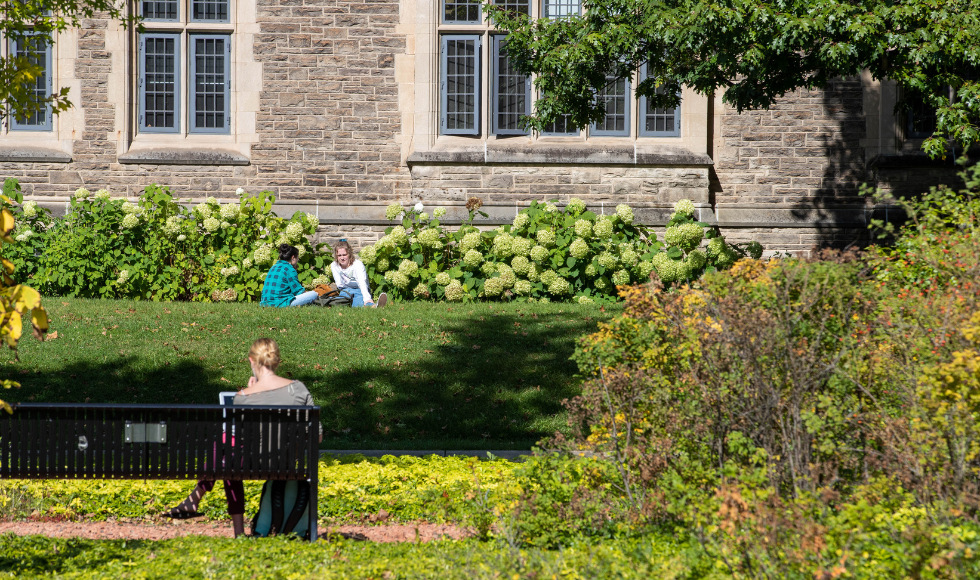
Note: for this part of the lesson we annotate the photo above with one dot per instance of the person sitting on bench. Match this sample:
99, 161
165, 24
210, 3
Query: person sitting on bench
350, 277
265, 388
282, 287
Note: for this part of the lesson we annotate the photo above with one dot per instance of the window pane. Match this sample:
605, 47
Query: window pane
562, 8
656, 122
510, 91
35, 50
160, 82
921, 118
461, 11
209, 86
213, 10
562, 125
160, 10
515, 6
460, 84
615, 97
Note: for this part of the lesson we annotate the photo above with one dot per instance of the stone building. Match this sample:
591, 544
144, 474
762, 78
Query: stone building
341, 107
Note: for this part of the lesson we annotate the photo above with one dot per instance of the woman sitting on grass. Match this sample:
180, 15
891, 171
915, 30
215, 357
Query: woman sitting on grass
282, 287
265, 388
350, 276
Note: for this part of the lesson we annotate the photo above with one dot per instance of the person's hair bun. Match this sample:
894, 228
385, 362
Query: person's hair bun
284, 248
265, 352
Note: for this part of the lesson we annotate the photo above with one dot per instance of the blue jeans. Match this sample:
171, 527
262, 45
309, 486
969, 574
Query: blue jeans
304, 298
356, 298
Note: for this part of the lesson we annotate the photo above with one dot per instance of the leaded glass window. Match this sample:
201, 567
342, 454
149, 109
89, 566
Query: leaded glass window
209, 81
511, 92
460, 85
615, 97
561, 8
655, 122
461, 12
38, 52
165, 10
515, 6
209, 11
159, 82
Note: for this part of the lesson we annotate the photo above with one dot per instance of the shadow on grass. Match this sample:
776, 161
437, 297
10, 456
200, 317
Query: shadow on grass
488, 381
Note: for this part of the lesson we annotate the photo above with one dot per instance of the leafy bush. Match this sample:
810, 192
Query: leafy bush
159, 249
548, 253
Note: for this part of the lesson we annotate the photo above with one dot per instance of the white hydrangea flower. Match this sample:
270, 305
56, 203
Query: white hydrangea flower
385, 243
684, 207
624, 213
30, 208
393, 211
469, 242
645, 268
263, 254
603, 228
696, 260
575, 206
102, 194
443, 279
293, 232
423, 217
247, 263
322, 279
211, 224
419, 207
546, 237
534, 273
399, 235
583, 228
578, 249
507, 275
171, 227
421, 291
82, 193
123, 277
608, 261
685, 236
472, 258
368, 255
621, 277
539, 254
454, 291
201, 210
300, 251
430, 238
520, 221
397, 279
667, 269
24, 236
230, 271
503, 245
584, 300
627, 255
591, 271
312, 220
181, 238
211, 200
550, 207
225, 225
489, 269
130, 221
602, 283
229, 211
522, 288
548, 276
493, 287
439, 213
408, 267
381, 264
559, 287
240, 191
521, 265
521, 246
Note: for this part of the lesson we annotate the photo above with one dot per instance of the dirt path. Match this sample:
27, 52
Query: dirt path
163, 531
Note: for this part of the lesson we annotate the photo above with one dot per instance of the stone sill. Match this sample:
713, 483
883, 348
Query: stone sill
563, 154
917, 159
183, 156
21, 154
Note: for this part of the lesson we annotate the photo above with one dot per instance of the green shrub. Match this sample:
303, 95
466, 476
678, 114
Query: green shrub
159, 249
548, 253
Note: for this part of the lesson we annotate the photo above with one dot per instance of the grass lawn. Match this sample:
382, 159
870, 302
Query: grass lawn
410, 376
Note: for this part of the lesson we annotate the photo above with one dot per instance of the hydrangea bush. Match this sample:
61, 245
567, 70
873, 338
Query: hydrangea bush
547, 253
158, 249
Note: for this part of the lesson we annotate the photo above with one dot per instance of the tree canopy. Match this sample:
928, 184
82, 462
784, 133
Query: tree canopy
31, 25
755, 51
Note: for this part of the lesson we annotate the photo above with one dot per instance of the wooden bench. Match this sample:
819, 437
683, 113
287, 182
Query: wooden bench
194, 442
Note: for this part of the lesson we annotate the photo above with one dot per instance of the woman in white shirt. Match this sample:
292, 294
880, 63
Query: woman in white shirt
350, 276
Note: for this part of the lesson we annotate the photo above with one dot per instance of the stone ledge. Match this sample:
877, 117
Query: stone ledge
22, 154
565, 154
182, 156
916, 159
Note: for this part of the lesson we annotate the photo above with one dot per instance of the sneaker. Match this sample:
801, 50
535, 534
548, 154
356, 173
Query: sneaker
382, 300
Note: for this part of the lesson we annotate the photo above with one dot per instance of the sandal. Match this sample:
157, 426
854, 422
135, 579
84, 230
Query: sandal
179, 514
382, 300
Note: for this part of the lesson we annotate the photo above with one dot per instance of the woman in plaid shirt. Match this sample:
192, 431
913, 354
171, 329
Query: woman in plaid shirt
282, 287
